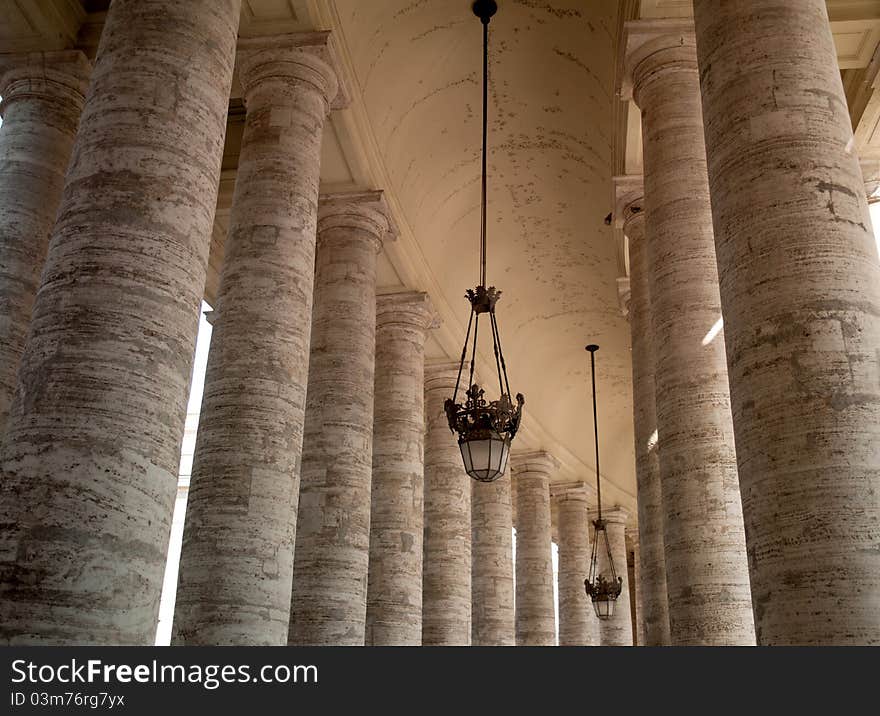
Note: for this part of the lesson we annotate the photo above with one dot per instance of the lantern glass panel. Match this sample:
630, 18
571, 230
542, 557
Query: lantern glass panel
485, 458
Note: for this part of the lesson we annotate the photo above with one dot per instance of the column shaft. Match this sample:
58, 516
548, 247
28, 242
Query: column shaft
578, 624
535, 609
446, 588
394, 587
90, 458
43, 95
237, 557
331, 557
800, 287
492, 617
654, 614
706, 567
616, 630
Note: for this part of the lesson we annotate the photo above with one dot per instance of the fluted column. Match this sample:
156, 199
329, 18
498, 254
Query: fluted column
492, 616
331, 557
90, 456
578, 624
237, 556
446, 586
616, 630
43, 95
394, 587
800, 287
706, 567
654, 613
535, 609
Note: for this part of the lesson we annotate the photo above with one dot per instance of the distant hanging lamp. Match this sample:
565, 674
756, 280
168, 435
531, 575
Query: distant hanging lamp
602, 588
485, 429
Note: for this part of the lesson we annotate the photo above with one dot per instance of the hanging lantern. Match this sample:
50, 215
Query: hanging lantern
485, 428
603, 587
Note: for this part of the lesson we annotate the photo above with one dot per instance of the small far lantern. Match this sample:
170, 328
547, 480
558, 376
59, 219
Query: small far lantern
485, 428
603, 588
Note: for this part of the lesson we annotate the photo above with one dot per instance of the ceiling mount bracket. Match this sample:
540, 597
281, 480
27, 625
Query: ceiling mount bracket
485, 9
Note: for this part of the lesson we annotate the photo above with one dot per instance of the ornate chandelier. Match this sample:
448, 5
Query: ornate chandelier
485, 428
604, 587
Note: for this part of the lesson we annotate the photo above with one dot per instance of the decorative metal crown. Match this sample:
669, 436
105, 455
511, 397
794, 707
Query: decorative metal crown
603, 590
483, 299
478, 418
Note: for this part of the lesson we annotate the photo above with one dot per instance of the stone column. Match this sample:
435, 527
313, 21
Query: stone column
331, 558
394, 587
578, 624
237, 556
654, 613
492, 617
706, 568
446, 588
43, 95
800, 287
636, 600
617, 630
90, 456
535, 609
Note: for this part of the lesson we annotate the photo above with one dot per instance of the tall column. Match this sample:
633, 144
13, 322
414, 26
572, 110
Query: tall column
492, 617
237, 556
535, 609
331, 557
800, 287
578, 624
446, 588
635, 592
90, 456
706, 567
43, 95
394, 587
616, 630
654, 613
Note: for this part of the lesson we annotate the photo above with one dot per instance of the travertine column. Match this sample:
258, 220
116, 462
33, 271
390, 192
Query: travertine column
394, 587
654, 613
535, 609
237, 557
492, 617
578, 624
331, 558
446, 588
632, 538
43, 95
800, 287
706, 568
89, 462
616, 630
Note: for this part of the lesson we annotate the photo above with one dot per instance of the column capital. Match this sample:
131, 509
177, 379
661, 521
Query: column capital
365, 210
534, 461
629, 203
632, 535
309, 57
652, 45
60, 75
576, 491
615, 516
408, 308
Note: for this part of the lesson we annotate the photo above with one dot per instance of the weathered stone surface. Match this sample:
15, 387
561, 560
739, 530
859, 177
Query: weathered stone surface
394, 587
446, 588
654, 612
333, 531
616, 630
237, 557
492, 616
706, 568
635, 591
800, 287
535, 608
43, 95
578, 624
89, 463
